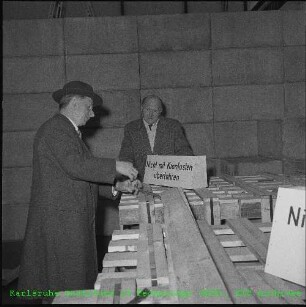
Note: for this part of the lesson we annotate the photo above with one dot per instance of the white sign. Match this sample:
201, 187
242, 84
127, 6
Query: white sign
286, 252
187, 172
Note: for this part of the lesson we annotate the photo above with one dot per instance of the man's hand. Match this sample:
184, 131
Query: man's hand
128, 186
127, 169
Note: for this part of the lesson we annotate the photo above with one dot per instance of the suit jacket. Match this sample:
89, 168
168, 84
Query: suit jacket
169, 140
59, 251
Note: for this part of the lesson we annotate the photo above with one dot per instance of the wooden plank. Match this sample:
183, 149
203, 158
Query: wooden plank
259, 248
160, 256
193, 265
232, 243
256, 232
122, 246
128, 290
109, 291
76, 297
125, 234
226, 231
231, 277
143, 279
243, 258
294, 294
120, 259
255, 282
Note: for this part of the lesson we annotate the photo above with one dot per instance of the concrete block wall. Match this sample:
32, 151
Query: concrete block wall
236, 81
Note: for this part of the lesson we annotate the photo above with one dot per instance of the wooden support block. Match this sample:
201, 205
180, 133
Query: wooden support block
232, 243
229, 208
250, 208
120, 259
125, 234
122, 246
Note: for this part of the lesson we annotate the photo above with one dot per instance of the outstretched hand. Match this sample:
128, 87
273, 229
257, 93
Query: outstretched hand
127, 169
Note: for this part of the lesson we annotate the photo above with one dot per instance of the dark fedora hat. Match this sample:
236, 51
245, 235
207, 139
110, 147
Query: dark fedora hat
78, 88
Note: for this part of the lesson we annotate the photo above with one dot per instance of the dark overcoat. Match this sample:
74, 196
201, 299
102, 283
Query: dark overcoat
59, 251
169, 140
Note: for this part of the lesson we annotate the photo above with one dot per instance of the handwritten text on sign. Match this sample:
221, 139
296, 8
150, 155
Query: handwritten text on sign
188, 172
286, 252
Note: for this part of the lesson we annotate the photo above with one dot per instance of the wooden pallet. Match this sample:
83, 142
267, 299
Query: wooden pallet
240, 248
223, 200
219, 269
265, 186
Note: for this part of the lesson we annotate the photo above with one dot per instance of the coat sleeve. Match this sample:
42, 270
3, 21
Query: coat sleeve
78, 165
126, 151
182, 146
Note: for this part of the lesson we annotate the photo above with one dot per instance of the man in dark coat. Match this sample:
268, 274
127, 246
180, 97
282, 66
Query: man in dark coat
59, 251
152, 135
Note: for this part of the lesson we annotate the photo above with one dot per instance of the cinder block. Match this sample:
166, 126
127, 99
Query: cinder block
201, 139
294, 59
105, 72
247, 66
33, 37
16, 185
204, 6
294, 23
246, 29
251, 166
187, 105
294, 138
175, 69
17, 148
27, 111
14, 221
119, 108
153, 7
30, 9
104, 143
236, 139
106, 8
248, 102
270, 138
174, 32
101, 35
33, 75
295, 100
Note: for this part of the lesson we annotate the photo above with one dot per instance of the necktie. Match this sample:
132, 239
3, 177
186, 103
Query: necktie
79, 133
150, 126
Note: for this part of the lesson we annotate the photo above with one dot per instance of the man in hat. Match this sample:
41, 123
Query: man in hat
59, 251
152, 134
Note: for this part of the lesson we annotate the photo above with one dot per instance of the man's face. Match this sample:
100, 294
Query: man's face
83, 110
151, 110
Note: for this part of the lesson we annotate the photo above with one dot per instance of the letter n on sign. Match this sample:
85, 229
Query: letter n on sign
286, 252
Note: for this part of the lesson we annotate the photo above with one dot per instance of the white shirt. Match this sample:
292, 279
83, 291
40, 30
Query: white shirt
151, 133
75, 127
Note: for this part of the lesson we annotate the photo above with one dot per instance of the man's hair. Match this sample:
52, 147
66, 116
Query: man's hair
145, 99
65, 100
